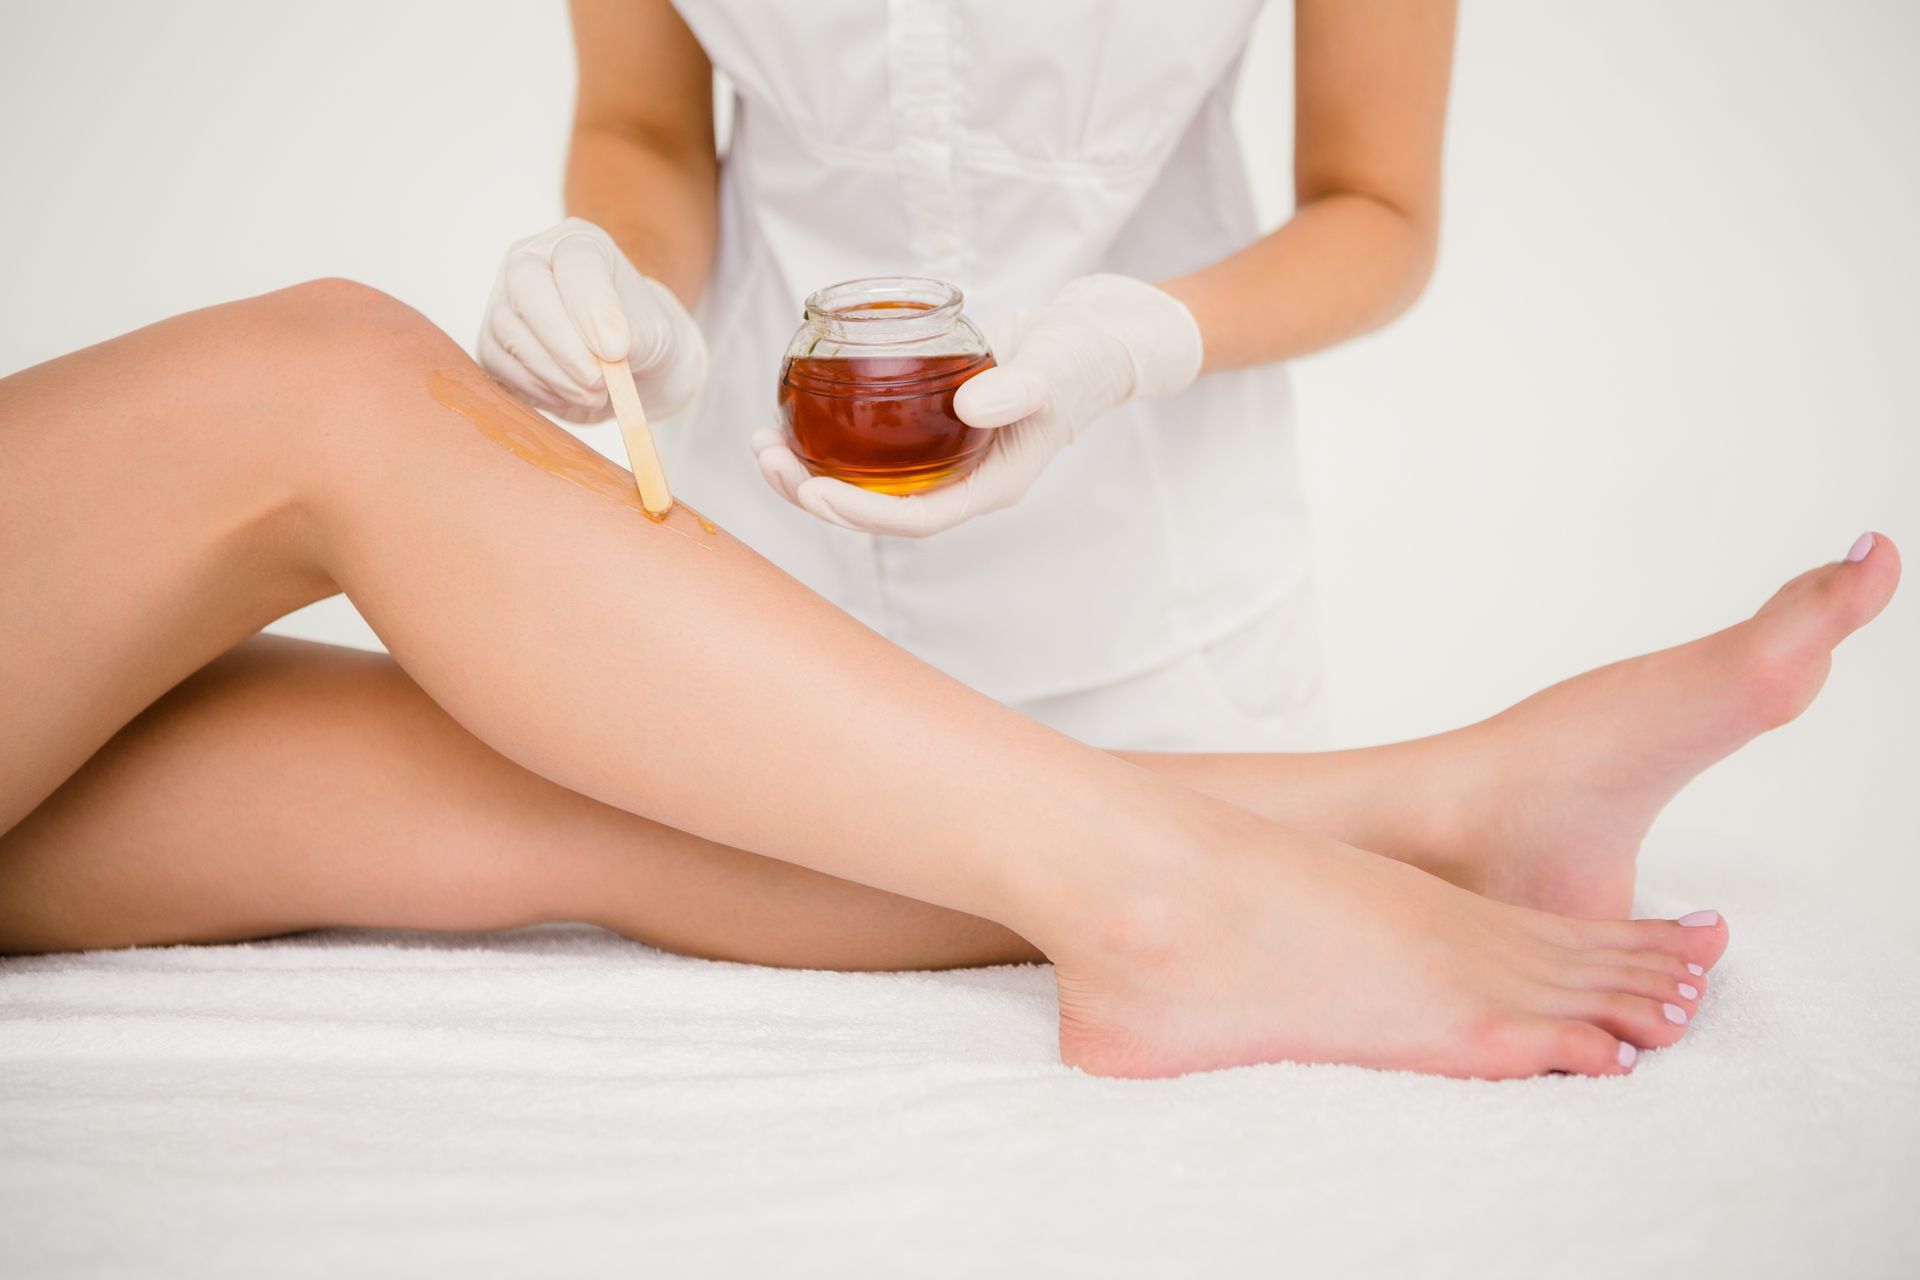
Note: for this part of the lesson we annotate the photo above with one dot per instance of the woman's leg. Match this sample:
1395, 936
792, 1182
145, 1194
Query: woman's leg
1545, 804
291, 786
257, 453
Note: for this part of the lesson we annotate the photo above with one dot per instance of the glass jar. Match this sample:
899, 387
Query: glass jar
866, 389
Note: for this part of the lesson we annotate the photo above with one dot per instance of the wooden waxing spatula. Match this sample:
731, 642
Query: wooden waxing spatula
642, 457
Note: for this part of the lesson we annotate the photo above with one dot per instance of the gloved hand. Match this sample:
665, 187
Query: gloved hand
568, 294
1102, 341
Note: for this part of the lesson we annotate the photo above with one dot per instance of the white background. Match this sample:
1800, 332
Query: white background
1668, 358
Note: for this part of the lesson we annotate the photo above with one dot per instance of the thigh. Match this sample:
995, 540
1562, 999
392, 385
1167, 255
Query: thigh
143, 531
291, 785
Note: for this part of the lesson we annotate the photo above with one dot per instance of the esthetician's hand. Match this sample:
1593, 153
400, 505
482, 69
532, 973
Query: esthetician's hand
568, 295
1102, 341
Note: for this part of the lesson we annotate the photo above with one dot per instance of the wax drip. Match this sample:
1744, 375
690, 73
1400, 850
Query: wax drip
533, 439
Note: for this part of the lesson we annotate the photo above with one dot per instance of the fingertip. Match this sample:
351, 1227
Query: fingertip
996, 397
608, 333
777, 482
815, 496
782, 470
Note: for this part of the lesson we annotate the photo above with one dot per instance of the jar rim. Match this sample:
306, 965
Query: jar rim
885, 308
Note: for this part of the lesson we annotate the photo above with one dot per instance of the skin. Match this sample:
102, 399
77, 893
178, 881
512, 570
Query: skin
1370, 106
643, 122
288, 785
667, 678
1370, 96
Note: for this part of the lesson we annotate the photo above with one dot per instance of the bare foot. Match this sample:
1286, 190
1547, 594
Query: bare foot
1570, 780
1280, 946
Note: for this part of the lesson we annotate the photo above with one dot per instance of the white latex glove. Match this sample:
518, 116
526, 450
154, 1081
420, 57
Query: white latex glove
1102, 341
567, 295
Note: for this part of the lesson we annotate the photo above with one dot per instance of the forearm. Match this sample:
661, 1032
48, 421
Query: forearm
1370, 106
1344, 264
656, 198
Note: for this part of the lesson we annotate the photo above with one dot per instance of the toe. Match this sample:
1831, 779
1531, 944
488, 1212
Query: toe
1663, 962
1634, 980
1697, 938
1821, 607
1866, 579
1648, 1023
1578, 1048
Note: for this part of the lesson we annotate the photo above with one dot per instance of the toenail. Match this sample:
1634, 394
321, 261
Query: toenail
1861, 546
1697, 970
1688, 990
1674, 1012
1627, 1054
1699, 919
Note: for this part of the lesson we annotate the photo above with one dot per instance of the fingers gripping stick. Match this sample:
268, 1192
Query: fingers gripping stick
641, 455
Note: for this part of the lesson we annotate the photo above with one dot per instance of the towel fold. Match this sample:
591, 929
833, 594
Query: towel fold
556, 1098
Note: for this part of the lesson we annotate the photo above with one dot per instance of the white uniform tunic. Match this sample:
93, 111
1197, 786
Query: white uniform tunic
1152, 589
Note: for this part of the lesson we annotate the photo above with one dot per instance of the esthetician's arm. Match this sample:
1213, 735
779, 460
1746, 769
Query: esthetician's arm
616, 280
642, 161
1370, 100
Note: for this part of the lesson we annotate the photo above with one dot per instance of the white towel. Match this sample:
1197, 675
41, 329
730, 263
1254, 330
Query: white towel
354, 1104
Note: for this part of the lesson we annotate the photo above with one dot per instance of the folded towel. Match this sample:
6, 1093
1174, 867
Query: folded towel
526, 1103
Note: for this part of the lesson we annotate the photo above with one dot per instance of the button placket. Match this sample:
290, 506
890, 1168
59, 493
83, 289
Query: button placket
921, 91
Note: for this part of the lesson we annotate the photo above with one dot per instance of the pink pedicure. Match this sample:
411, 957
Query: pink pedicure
1697, 970
1699, 919
1861, 546
1688, 990
1627, 1054
1675, 1014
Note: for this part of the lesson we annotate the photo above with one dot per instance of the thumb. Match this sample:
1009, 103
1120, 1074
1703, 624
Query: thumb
584, 274
1000, 395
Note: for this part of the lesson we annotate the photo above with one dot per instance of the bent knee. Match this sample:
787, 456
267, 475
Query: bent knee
337, 299
340, 364
338, 323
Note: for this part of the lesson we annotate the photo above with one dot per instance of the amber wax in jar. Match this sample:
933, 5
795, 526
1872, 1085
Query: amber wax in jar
866, 389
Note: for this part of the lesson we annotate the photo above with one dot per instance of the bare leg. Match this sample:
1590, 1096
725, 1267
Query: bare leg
685, 680
292, 786
289, 786
1545, 804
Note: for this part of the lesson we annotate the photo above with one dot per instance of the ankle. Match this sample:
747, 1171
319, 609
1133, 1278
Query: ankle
1131, 896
